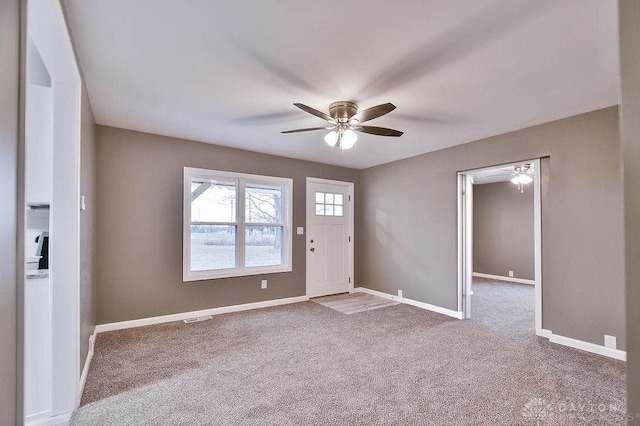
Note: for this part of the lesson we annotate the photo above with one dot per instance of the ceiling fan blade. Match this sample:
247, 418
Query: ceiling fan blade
315, 112
380, 131
374, 112
305, 130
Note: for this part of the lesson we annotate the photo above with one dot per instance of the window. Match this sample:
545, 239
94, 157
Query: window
329, 204
235, 224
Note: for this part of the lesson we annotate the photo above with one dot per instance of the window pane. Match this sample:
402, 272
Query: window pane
328, 210
263, 245
337, 199
263, 204
213, 247
213, 201
319, 209
328, 198
320, 197
337, 211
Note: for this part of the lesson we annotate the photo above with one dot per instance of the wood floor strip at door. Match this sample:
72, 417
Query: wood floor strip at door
353, 303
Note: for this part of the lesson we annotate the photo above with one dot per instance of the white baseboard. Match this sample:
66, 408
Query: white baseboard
87, 363
37, 418
101, 328
44, 419
586, 346
438, 309
501, 278
376, 293
545, 333
427, 306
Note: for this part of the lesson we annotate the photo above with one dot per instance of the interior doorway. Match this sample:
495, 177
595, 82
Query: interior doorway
329, 237
52, 194
523, 177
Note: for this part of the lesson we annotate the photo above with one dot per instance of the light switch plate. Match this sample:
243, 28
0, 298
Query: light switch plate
83, 203
300, 230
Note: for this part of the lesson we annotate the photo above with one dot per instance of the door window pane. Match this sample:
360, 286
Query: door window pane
213, 247
213, 201
263, 204
263, 245
329, 204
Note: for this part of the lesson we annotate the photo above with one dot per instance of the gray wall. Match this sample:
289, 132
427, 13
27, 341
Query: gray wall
9, 171
139, 224
87, 229
503, 237
87, 217
409, 225
630, 119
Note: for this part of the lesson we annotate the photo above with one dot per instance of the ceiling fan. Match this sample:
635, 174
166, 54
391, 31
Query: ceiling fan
344, 120
522, 175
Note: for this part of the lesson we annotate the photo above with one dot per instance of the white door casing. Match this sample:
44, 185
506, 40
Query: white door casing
465, 240
465, 244
329, 239
46, 27
468, 244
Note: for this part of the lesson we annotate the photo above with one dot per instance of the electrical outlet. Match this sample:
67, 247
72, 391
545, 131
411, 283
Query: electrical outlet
300, 230
610, 342
263, 285
511, 274
400, 294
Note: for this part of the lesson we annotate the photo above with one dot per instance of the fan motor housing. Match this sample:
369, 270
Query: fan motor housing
342, 111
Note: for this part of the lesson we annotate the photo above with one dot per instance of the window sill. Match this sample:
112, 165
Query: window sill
234, 273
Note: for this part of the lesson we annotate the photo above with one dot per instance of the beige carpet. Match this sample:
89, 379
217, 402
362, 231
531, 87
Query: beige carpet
308, 364
354, 302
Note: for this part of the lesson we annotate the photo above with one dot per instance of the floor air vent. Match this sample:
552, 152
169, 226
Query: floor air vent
198, 319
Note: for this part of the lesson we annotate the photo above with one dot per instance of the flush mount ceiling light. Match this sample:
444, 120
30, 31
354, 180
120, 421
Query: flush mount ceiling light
522, 176
344, 121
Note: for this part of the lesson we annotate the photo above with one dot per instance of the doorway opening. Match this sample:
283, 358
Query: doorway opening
329, 239
51, 368
499, 237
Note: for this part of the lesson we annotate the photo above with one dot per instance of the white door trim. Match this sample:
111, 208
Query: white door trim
350, 225
537, 236
468, 244
461, 178
465, 238
47, 27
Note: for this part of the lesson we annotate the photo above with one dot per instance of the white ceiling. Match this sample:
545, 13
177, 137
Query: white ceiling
458, 70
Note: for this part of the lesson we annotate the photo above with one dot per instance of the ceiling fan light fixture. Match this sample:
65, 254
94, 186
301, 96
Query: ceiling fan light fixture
344, 120
348, 139
331, 138
521, 179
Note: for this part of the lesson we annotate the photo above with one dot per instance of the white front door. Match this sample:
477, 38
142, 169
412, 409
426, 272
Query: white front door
329, 237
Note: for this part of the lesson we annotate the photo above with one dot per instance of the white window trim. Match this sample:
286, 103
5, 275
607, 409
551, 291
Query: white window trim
241, 180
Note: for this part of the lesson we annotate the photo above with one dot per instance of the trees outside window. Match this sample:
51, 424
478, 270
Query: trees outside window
237, 224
